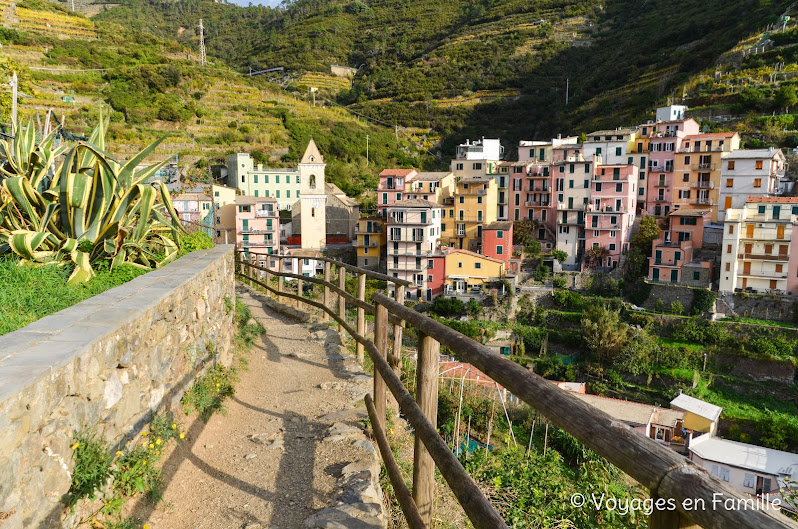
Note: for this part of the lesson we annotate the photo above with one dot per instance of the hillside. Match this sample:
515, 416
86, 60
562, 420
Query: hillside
154, 86
482, 67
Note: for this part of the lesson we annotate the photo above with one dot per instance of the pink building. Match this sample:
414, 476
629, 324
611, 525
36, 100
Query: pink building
391, 188
414, 232
665, 140
611, 210
497, 241
257, 224
436, 274
677, 252
531, 192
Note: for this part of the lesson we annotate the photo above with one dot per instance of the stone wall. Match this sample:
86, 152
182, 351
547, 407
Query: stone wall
107, 363
760, 306
668, 294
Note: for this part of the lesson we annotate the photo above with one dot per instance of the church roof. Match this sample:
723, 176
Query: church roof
312, 154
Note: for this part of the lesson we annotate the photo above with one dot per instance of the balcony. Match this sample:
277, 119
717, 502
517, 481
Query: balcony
612, 227
764, 256
763, 275
610, 210
538, 204
370, 244
262, 213
406, 268
251, 244
661, 183
469, 218
703, 201
254, 231
704, 167
413, 253
575, 207
703, 184
375, 228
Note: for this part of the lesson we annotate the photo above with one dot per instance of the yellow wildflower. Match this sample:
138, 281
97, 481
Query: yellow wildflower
157, 441
152, 445
75, 445
182, 435
174, 426
144, 434
145, 526
118, 452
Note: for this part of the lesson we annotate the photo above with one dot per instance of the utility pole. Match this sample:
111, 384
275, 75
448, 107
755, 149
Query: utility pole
14, 93
567, 87
202, 44
73, 6
367, 150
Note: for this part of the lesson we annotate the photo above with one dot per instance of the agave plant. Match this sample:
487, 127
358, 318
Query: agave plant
61, 204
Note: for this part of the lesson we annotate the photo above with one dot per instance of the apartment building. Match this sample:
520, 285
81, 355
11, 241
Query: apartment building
611, 145
758, 241
676, 253
193, 208
473, 205
638, 155
698, 169
497, 241
432, 186
255, 225
370, 243
414, 231
664, 141
391, 188
572, 176
750, 172
282, 184
469, 272
477, 158
530, 191
611, 211
542, 151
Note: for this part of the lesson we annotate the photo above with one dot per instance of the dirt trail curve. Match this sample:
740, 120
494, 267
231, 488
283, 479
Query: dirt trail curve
289, 452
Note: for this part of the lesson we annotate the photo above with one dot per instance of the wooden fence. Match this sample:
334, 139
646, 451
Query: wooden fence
667, 475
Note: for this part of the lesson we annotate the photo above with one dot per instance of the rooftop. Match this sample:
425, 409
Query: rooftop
777, 200
312, 154
750, 154
633, 413
475, 254
192, 196
499, 225
397, 172
610, 133
747, 456
710, 135
415, 203
476, 180
690, 212
248, 199
435, 176
697, 407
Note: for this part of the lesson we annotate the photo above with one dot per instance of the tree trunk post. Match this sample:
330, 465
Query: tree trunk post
381, 341
427, 398
326, 289
341, 299
361, 314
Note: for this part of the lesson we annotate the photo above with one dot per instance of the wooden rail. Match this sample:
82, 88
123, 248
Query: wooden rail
665, 473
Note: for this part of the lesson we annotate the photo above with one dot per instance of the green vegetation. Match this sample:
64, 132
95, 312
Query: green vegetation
30, 293
84, 208
108, 480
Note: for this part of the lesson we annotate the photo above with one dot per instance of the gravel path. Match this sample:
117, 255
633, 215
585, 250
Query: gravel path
265, 464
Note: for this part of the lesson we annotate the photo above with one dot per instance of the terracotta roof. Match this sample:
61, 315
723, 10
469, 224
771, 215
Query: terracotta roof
397, 172
499, 225
689, 212
711, 135
475, 254
783, 200
415, 203
432, 176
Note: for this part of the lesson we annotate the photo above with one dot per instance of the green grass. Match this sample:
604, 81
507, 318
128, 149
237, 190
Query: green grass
684, 345
29, 293
755, 321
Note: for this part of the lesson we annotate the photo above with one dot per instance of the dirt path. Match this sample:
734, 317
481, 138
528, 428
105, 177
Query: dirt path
266, 463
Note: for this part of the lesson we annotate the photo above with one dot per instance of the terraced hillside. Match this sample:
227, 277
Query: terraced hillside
150, 88
54, 21
427, 63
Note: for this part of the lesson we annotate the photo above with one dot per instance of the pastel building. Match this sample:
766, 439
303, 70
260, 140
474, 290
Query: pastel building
531, 189
282, 184
192, 208
473, 205
698, 169
477, 158
611, 211
469, 272
750, 172
542, 151
572, 196
676, 253
432, 186
664, 141
638, 155
611, 145
759, 240
256, 224
414, 231
497, 241
370, 243
391, 188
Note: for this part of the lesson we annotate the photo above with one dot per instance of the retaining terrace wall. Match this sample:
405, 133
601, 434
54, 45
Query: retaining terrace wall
107, 363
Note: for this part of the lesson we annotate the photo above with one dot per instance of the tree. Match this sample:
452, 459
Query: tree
648, 232
560, 255
473, 308
786, 97
604, 332
596, 256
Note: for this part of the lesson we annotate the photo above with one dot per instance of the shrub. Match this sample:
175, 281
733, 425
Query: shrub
447, 307
568, 299
703, 300
559, 282
677, 307
541, 273
199, 240
659, 306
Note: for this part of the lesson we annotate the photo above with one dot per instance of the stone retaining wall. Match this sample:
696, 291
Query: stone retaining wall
106, 363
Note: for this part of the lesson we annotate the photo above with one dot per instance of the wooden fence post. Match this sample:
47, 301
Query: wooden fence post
427, 398
341, 299
399, 297
251, 272
361, 314
266, 274
665, 519
381, 341
326, 289
280, 279
299, 290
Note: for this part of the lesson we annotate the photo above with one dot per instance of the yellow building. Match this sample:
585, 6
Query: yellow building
473, 206
434, 187
697, 168
468, 271
370, 241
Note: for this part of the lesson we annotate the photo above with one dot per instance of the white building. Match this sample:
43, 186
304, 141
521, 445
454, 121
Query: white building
477, 158
414, 233
748, 468
611, 145
749, 172
671, 112
282, 184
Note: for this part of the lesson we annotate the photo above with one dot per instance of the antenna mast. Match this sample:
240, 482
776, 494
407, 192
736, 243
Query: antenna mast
202, 44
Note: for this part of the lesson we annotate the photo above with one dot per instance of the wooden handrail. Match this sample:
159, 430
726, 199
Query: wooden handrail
666, 474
